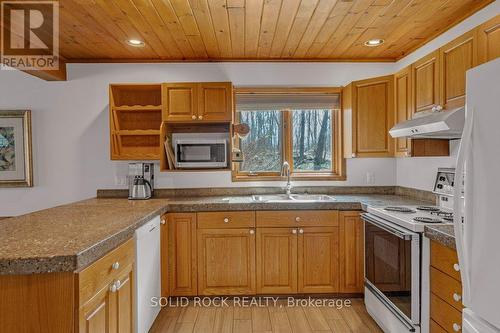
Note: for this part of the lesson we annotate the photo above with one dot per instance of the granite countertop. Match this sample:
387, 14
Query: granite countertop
70, 237
443, 234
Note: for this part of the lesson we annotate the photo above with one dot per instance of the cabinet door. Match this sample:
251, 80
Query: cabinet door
403, 110
457, 57
182, 253
488, 37
425, 82
276, 260
318, 261
164, 256
180, 101
226, 259
373, 117
94, 316
121, 304
215, 101
352, 260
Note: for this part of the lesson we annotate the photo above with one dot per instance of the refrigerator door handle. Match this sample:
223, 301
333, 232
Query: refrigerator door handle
459, 221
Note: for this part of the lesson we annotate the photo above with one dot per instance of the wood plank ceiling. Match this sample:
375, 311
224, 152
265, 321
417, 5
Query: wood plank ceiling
215, 30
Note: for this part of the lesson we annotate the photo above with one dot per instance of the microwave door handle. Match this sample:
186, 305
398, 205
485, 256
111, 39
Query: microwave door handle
383, 225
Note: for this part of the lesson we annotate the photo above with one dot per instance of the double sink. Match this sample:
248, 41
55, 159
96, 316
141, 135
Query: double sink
292, 198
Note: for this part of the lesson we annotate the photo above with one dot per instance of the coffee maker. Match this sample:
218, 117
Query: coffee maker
140, 181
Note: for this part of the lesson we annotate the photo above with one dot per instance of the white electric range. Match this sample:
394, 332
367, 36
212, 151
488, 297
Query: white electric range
394, 282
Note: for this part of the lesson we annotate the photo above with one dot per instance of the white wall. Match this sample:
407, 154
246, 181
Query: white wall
71, 127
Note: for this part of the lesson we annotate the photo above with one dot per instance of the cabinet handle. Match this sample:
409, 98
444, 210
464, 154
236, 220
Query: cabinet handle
113, 288
353, 155
226, 220
115, 265
118, 284
252, 231
301, 231
456, 267
457, 297
294, 231
193, 117
200, 117
456, 327
297, 219
162, 221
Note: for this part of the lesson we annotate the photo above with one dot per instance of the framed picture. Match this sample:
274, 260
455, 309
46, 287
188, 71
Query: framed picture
16, 165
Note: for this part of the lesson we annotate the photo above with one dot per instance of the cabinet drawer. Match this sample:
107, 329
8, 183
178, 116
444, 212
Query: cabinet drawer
445, 259
446, 288
103, 272
212, 220
435, 328
445, 315
298, 218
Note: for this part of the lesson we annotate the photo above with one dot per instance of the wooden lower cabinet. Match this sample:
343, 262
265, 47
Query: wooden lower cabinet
445, 290
318, 260
351, 252
182, 254
276, 260
275, 252
226, 261
94, 315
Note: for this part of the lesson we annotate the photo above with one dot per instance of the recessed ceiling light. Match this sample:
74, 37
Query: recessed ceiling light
135, 42
374, 42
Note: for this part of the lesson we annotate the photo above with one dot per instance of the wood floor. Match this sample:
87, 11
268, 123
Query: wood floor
266, 319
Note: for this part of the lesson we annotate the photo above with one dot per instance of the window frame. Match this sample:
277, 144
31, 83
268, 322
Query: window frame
338, 171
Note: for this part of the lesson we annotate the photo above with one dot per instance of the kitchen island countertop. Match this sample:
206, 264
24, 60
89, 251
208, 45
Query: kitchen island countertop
71, 237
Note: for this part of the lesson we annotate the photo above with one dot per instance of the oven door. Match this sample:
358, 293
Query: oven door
196, 154
392, 267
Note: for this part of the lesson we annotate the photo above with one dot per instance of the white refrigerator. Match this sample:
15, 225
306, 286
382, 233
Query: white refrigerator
477, 214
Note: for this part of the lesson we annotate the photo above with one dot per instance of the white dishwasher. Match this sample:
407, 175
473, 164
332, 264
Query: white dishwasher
147, 274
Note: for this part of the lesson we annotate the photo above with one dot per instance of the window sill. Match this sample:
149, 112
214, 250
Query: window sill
294, 177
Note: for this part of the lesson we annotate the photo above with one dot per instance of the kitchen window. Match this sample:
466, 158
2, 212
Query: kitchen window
299, 125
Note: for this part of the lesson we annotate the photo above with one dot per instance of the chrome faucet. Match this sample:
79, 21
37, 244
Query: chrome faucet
285, 172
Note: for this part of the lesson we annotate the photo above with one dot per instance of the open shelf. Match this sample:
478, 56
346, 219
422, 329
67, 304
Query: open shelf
135, 119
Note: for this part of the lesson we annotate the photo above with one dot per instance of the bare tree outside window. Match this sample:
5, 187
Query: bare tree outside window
312, 140
262, 147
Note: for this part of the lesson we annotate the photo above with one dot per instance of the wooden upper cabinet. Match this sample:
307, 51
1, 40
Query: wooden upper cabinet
351, 250
216, 101
226, 261
457, 57
276, 260
207, 101
368, 116
402, 108
318, 260
182, 254
488, 40
180, 101
425, 83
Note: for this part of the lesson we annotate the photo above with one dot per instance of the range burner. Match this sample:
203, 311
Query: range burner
443, 214
428, 208
426, 219
399, 209
448, 218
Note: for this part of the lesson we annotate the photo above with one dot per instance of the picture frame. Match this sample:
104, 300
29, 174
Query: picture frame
16, 161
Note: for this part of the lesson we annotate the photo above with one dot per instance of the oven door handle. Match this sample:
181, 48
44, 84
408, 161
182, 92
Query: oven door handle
382, 224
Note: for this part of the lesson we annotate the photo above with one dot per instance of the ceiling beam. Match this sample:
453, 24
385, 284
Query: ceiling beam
50, 75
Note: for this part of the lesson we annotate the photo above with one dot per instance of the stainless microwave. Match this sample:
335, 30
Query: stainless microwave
200, 150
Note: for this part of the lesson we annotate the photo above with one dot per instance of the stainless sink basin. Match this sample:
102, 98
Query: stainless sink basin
293, 198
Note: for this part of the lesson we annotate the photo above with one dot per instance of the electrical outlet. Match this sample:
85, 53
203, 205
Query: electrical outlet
370, 178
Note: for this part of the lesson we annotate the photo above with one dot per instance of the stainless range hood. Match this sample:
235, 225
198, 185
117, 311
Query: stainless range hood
432, 125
